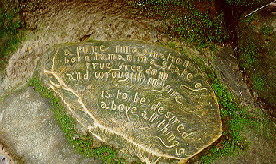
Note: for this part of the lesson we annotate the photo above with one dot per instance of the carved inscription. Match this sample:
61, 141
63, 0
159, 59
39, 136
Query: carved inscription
153, 95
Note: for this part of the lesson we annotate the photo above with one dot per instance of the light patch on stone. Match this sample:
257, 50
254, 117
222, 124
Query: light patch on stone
1, 116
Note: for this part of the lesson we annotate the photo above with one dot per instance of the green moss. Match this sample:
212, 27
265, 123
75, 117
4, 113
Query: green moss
266, 30
83, 144
236, 118
235, 121
201, 28
193, 21
257, 58
10, 37
249, 19
258, 82
249, 52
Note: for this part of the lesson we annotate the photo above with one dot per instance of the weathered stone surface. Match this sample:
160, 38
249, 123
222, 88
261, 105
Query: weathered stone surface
147, 100
5, 158
28, 129
58, 21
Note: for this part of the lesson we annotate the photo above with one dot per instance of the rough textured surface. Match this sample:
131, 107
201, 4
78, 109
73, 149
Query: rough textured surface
261, 152
5, 157
28, 128
150, 99
55, 21
227, 68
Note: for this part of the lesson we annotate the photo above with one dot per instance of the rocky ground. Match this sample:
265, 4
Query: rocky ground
28, 128
52, 22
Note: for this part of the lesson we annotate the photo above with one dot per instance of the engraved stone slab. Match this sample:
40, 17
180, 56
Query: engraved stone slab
151, 102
